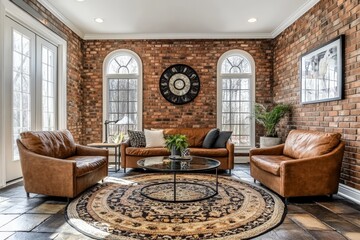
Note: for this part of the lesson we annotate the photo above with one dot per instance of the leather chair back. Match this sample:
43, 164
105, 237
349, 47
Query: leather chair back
305, 143
56, 144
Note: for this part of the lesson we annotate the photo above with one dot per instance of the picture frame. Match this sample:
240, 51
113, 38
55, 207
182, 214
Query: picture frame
322, 73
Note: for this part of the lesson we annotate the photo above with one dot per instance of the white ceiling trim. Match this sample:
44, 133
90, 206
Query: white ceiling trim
179, 36
61, 17
290, 20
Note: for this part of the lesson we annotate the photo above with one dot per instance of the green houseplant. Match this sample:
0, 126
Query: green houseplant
270, 118
176, 144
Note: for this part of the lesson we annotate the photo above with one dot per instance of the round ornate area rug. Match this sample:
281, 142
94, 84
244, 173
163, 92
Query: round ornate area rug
117, 210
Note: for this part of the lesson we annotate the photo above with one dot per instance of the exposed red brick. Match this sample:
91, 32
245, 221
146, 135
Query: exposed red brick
156, 56
325, 21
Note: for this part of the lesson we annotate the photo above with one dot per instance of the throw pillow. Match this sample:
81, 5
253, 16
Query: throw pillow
222, 139
137, 138
210, 138
154, 138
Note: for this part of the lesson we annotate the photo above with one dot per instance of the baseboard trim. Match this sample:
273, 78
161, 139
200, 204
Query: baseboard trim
349, 193
241, 159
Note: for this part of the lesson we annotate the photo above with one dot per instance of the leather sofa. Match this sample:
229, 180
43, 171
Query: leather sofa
52, 164
307, 164
130, 155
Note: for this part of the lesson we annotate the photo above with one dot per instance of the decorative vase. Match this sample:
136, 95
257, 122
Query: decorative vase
269, 141
175, 152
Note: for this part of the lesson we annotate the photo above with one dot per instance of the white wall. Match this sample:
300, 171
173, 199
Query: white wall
2, 90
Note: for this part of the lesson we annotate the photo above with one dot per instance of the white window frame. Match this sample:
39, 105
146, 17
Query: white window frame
251, 76
7, 8
106, 76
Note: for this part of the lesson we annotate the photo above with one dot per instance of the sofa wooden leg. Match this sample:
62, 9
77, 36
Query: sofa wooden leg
230, 172
124, 170
286, 201
27, 195
254, 180
331, 196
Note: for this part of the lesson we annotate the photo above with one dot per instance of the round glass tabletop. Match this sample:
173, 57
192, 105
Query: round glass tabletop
166, 164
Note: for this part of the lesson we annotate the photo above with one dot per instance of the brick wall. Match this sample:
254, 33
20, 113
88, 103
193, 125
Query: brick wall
156, 56
74, 61
327, 20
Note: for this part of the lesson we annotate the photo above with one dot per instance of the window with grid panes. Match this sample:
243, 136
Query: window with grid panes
236, 98
123, 89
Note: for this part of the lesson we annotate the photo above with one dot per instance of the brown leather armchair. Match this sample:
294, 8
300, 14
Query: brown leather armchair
52, 164
307, 164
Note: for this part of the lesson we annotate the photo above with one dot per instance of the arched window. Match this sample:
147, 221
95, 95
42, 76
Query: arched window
235, 97
122, 91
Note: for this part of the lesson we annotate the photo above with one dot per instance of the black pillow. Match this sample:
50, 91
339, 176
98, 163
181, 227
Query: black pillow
137, 138
222, 139
210, 138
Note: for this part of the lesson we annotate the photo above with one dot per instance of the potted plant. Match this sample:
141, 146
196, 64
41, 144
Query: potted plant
176, 144
270, 118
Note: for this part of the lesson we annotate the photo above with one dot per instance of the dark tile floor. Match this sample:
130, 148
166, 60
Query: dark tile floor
42, 217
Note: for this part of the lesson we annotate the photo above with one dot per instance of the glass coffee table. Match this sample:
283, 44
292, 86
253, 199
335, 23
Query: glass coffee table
191, 191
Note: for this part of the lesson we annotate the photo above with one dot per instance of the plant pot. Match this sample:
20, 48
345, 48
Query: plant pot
269, 141
175, 152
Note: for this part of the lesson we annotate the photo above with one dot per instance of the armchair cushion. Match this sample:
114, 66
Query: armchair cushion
87, 164
133, 151
270, 163
304, 144
209, 152
56, 144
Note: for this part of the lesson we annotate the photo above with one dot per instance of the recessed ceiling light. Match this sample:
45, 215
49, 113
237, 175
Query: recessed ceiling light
252, 20
99, 20
80, 0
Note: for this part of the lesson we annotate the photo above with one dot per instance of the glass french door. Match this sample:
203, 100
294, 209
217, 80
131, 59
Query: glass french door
31, 86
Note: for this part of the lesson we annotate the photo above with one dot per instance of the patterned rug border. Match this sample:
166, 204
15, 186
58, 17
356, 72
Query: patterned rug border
273, 194
107, 180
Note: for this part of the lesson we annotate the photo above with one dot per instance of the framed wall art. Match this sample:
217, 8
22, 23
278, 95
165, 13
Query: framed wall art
321, 72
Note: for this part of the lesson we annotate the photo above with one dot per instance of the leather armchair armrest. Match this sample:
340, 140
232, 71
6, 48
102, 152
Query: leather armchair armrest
313, 173
37, 163
326, 163
91, 151
42, 172
275, 150
123, 147
230, 147
126, 143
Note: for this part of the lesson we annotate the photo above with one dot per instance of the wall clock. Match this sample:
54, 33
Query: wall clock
179, 84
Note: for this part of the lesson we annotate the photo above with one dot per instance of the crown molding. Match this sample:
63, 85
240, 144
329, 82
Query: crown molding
291, 19
61, 17
178, 36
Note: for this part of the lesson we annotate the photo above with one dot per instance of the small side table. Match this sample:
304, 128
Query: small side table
116, 146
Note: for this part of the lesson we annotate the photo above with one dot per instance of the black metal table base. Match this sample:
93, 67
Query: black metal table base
174, 183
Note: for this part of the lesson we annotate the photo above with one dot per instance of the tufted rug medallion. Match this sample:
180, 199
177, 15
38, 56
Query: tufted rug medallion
117, 210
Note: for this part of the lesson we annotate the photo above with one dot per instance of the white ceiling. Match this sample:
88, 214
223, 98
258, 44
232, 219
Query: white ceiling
179, 19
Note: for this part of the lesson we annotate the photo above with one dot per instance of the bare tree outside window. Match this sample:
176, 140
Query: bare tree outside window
236, 102
122, 78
